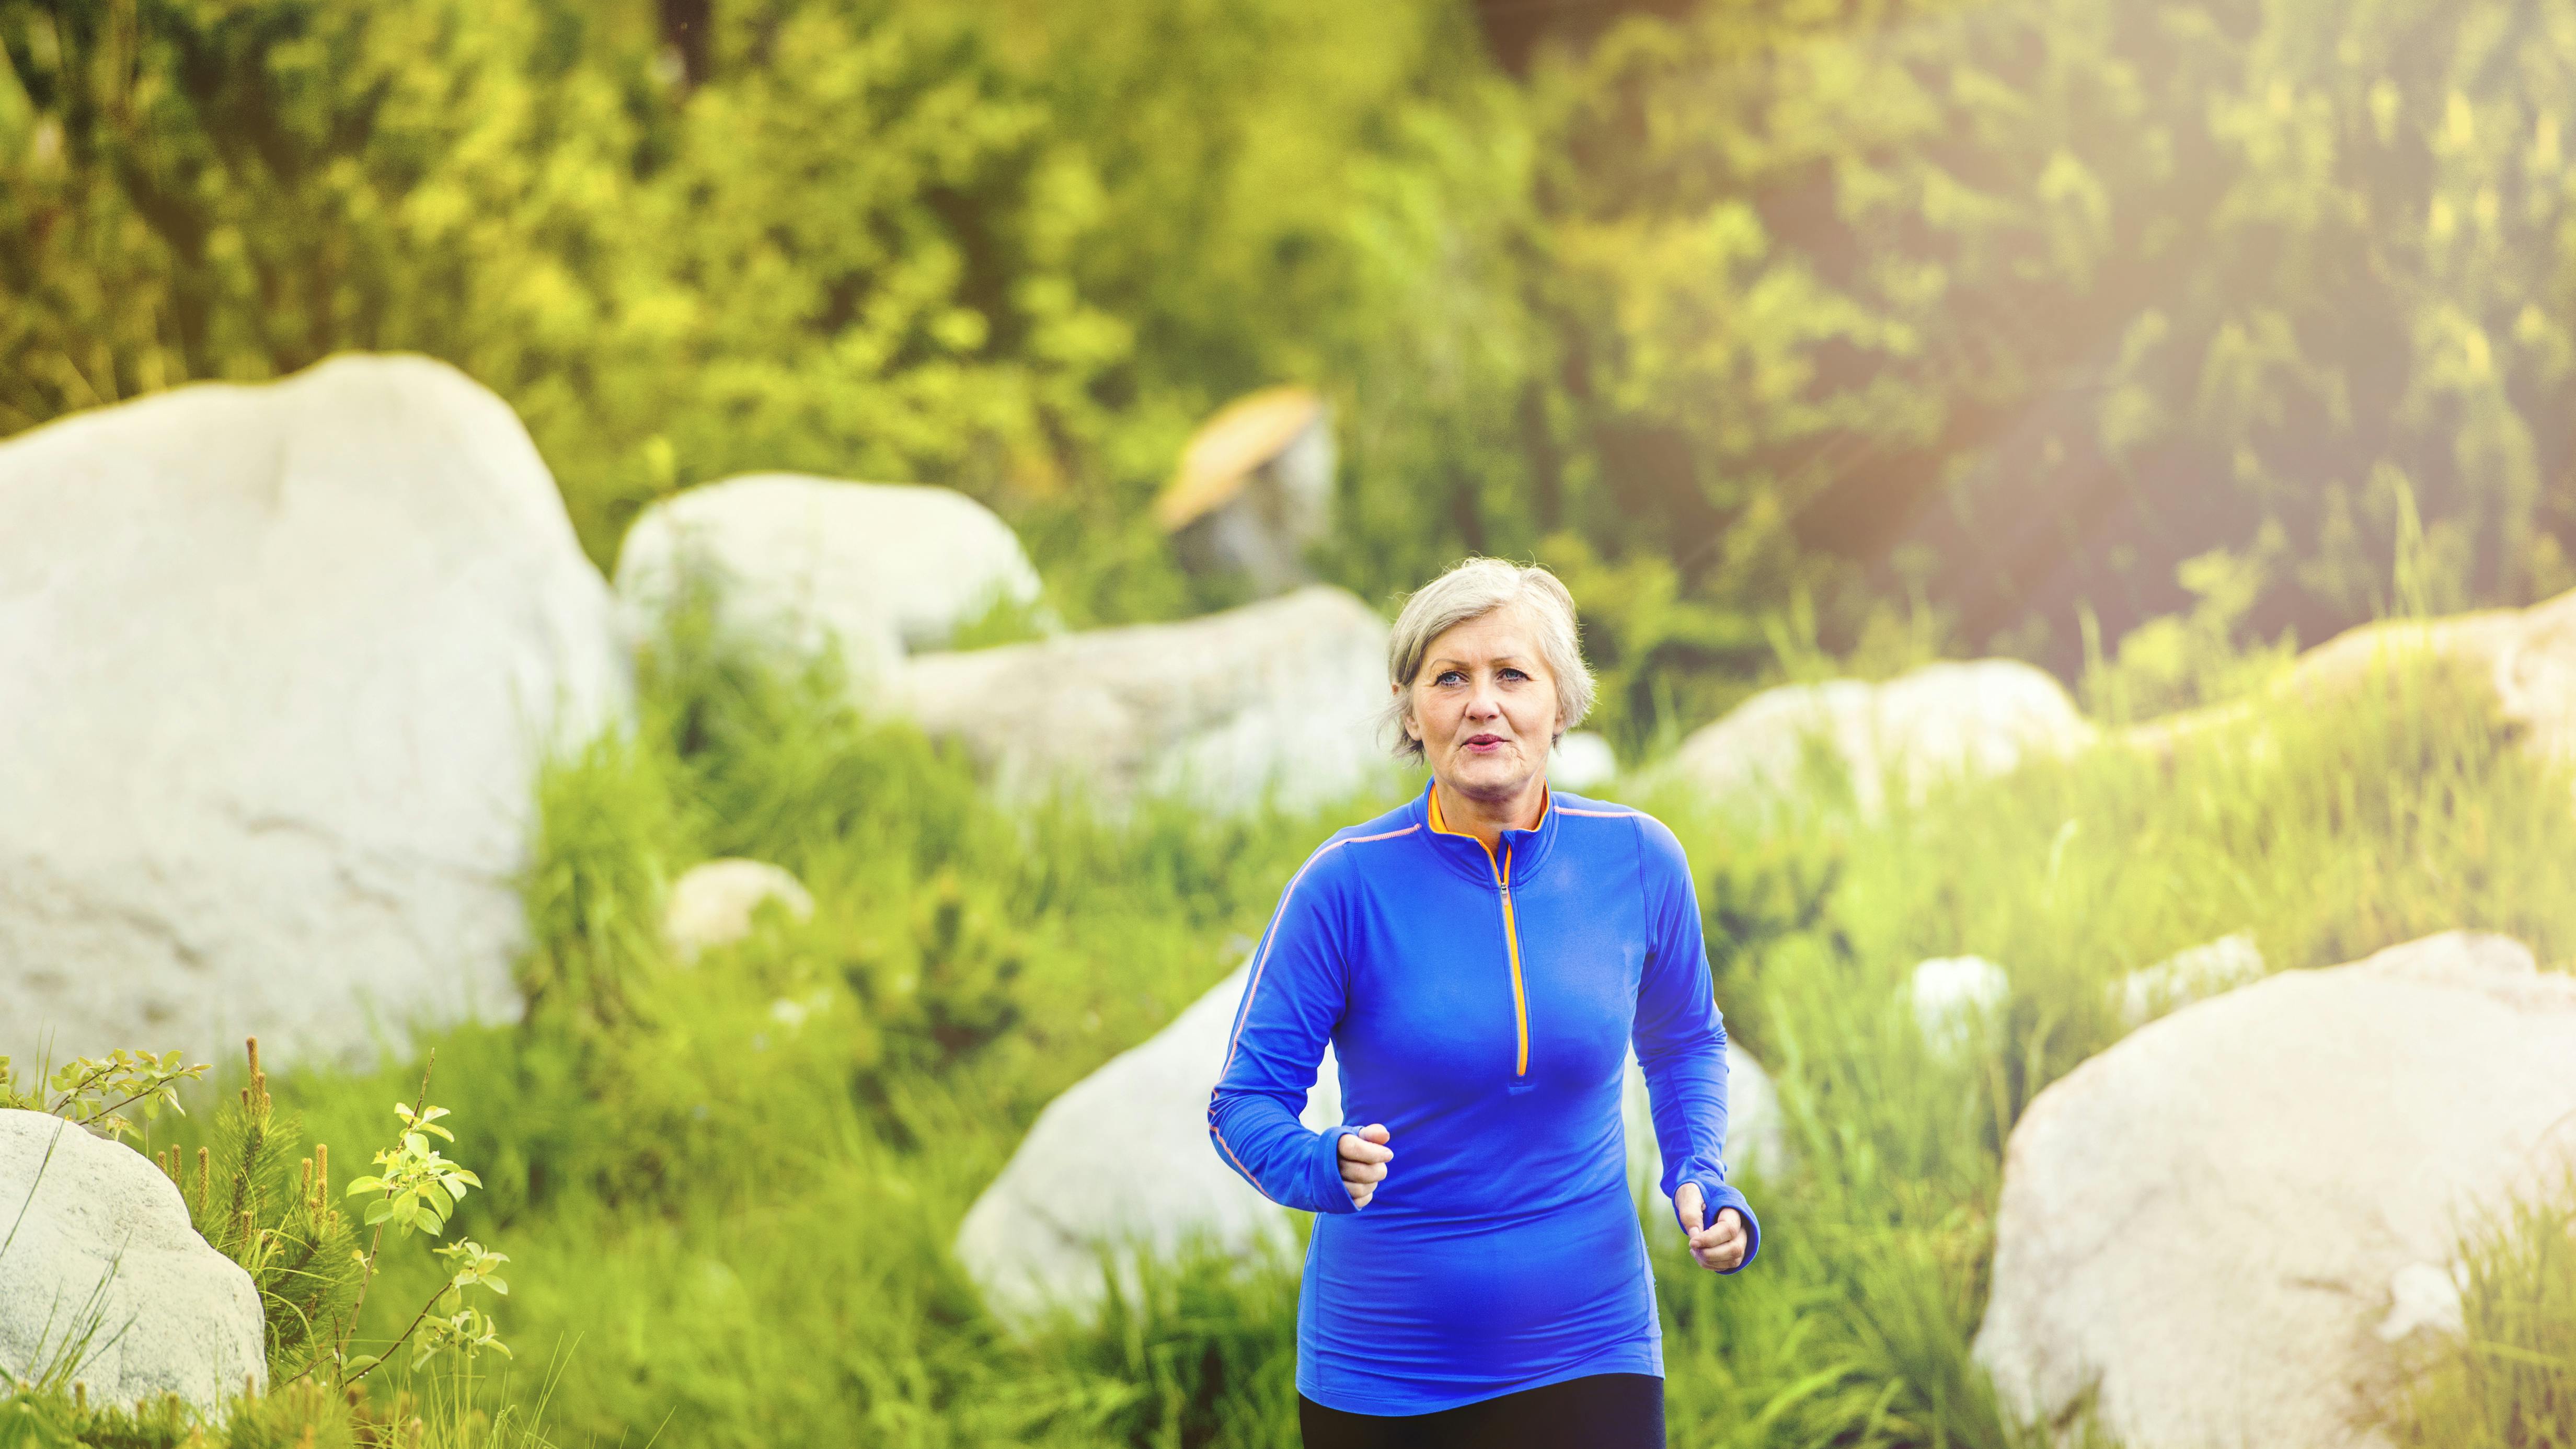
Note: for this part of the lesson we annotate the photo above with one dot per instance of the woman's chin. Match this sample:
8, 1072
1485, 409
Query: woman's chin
1490, 777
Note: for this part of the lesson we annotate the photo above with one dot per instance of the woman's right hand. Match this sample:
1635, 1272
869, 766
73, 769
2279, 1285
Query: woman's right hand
1364, 1158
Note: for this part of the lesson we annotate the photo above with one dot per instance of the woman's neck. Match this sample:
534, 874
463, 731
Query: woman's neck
1487, 819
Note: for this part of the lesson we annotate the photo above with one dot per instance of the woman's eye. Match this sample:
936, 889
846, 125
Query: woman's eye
1450, 676
1510, 673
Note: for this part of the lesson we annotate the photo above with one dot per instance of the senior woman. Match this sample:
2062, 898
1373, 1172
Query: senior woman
1481, 958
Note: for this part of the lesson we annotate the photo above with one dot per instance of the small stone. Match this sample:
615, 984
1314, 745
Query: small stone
1953, 996
2187, 976
714, 903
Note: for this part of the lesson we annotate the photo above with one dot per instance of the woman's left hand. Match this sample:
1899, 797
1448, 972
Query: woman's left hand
1718, 1247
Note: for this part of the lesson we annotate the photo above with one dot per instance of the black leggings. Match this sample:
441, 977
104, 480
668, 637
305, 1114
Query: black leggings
1603, 1411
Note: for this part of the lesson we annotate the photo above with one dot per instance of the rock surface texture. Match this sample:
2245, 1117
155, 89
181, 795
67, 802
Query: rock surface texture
1282, 695
2215, 1219
885, 568
712, 902
277, 665
1034, 1237
105, 1279
1980, 718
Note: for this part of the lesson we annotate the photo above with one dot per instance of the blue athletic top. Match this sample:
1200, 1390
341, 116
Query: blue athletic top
1480, 1003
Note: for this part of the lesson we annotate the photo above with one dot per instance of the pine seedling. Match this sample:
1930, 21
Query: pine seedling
259, 1202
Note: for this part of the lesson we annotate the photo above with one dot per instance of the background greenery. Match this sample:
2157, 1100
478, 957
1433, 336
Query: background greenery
1851, 325
728, 1189
2132, 338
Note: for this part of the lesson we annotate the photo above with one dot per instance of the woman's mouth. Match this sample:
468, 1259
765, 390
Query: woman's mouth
1485, 744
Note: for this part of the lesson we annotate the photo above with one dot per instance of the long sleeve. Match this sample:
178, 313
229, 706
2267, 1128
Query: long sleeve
1290, 1004
1680, 1038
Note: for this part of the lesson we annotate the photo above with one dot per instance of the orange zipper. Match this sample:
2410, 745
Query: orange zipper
1512, 939
1511, 930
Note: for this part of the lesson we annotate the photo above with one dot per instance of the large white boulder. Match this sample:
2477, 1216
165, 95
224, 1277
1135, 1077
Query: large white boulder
2223, 1221
1281, 696
1035, 1237
103, 1280
1980, 718
883, 568
277, 666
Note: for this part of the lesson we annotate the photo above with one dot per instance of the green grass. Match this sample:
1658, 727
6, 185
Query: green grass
2509, 1382
729, 1230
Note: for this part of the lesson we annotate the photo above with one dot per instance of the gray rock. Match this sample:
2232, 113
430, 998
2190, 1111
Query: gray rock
883, 569
1281, 696
103, 1279
712, 902
277, 666
1942, 720
2215, 1221
1035, 1236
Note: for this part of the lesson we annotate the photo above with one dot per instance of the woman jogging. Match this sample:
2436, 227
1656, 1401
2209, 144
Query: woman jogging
1481, 959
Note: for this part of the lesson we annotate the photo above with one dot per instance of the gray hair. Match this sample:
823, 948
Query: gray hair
1471, 590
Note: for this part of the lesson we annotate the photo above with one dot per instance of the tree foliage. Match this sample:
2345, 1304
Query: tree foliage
2033, 303
1820, 326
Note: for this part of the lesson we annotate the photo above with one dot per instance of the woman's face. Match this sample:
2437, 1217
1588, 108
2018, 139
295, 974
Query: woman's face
1484, 705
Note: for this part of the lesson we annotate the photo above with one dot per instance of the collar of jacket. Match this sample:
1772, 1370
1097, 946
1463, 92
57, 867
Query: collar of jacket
1527, 850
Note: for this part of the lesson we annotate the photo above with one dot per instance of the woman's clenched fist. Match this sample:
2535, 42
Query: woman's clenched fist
1718, 1247
1364, 1157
